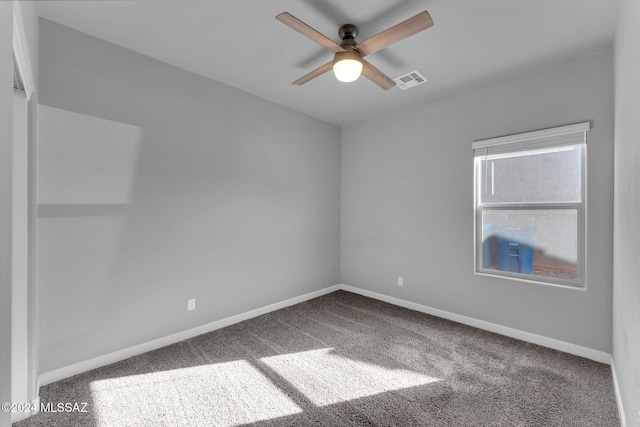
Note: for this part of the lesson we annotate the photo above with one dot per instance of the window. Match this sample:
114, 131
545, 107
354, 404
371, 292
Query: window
529, 205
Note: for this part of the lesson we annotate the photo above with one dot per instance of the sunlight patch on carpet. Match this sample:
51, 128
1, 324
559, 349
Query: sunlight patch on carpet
326, 378
222, 394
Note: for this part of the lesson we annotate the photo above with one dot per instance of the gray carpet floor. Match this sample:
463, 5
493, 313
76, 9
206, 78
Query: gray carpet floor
341, 360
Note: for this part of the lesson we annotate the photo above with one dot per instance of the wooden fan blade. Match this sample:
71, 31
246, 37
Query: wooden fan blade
293, 22
315, 73
377, 76
407, 28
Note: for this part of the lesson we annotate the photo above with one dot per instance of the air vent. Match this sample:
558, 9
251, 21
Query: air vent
411, 79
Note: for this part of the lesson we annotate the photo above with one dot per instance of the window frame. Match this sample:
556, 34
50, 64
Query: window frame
581, 209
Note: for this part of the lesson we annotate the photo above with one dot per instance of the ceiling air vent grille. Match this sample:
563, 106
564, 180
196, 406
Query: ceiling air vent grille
411, 79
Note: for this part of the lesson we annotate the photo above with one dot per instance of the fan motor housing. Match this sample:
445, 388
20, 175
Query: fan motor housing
348, 32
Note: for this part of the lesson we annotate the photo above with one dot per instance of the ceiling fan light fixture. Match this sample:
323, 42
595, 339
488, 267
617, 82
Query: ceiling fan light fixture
347, 66
347, 63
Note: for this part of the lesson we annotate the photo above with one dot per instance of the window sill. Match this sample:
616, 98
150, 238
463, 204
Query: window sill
562, 285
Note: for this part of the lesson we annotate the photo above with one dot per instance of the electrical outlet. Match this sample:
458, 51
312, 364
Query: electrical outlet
191, 304
400, 281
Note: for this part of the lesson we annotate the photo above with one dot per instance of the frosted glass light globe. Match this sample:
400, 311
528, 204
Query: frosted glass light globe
347, 66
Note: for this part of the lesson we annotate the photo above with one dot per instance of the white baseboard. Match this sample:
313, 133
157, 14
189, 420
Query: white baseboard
616, 387
36, 405
588, 353
19, 416
116, 356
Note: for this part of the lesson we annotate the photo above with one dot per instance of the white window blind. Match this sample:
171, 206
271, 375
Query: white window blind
546, 138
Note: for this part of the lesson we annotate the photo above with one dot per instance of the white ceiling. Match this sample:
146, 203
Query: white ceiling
240, 43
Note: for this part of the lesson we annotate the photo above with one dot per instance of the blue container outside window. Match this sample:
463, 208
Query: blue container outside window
515, 251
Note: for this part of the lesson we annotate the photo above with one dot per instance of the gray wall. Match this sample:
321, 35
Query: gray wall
407, 200
626, 248
6, 94
165, 186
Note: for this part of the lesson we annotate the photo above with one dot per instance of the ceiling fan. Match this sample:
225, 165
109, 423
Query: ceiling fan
348, 62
